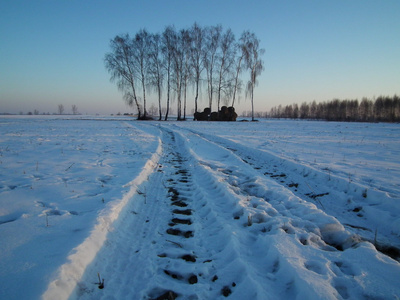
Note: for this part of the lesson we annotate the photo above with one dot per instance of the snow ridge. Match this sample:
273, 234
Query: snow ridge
355, 206
71, 272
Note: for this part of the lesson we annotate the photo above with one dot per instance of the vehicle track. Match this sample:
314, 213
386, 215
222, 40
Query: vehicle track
208, 225
202, 249
352, 214
161, 244
274, 215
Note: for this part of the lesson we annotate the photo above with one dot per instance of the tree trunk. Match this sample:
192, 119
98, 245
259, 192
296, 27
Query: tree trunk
236, 81
219, 93
159, 102
144, 96
184, 103
197, 95
252, 102
168, 90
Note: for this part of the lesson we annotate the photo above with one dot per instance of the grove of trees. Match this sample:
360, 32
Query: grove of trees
172, 62
382, 109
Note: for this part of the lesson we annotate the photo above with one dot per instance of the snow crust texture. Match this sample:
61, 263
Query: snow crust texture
172, 210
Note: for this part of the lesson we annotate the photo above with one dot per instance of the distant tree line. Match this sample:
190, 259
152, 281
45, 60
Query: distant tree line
382, 109
171, 62
60, 111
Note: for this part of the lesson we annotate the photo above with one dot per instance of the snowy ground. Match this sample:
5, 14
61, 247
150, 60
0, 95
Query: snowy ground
193, 210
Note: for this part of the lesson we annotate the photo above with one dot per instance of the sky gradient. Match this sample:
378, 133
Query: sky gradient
52, 52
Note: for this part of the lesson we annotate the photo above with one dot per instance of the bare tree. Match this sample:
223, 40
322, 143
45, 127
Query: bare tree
212, 37
237, 85
197, 53
254, 63
186, 70
74, 109
119, 63
167, 50
141, 45
60, 109
177, 69
156, 68
225, 63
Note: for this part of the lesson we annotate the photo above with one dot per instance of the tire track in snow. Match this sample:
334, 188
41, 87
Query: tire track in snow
294, 230
261, 227
199, 257
169, 242
250, 260
353, 206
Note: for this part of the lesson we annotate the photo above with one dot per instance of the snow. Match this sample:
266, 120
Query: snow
246, 210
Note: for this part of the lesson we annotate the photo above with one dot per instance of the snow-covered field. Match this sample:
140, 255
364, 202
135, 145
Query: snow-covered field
196, 210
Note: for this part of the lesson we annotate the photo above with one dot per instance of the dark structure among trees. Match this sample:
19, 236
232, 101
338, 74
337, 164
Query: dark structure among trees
382, 109
225, 114
171, 62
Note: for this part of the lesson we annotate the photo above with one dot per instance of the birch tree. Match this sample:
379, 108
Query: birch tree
197, 53
60, 109
254, 63
167, 50
225, 63
74, 109
186, 70
156, 68
119, 63
141, 46
213, 36
177, 69
238, 66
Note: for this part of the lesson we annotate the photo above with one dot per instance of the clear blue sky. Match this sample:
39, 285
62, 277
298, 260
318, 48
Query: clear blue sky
52, 52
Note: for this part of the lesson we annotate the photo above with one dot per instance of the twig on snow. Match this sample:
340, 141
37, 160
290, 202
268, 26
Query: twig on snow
143, 193
69, 167
315, 197
177, 244
101, 282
